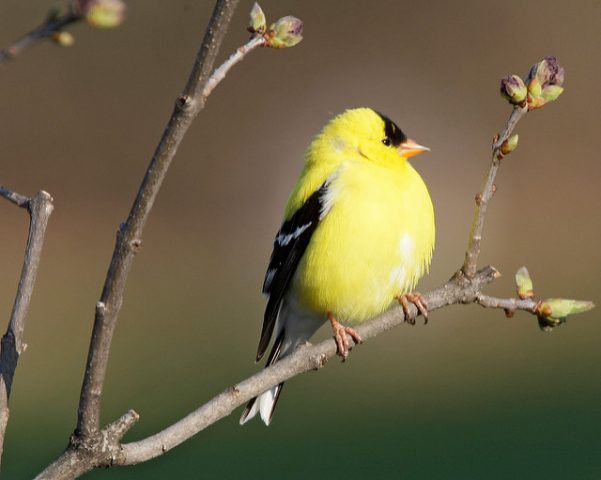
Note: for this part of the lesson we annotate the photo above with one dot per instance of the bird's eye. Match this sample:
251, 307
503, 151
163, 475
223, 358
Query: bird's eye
386, 141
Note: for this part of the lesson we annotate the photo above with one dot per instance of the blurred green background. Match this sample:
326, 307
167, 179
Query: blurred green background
471, 395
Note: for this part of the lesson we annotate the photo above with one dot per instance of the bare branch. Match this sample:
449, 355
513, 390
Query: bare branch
14, 197
475, 239
52, 25
458, 290
187, 106
510, 305
220, 73
39, 208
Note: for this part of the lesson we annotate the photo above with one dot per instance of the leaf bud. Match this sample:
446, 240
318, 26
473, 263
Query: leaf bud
258, 23
513, 89
64, 39
547, 72
102, 13
286, 32
560, 308
524, 283
551, 92
509, 146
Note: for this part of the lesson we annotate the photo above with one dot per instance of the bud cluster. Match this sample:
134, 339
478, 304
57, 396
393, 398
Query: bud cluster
543, 84
284, 33
552, 311
555, 311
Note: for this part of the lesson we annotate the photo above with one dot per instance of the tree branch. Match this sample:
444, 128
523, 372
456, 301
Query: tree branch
458, 290
84, 454
510, 305
51, 26
187, 106
12, 345
482, 199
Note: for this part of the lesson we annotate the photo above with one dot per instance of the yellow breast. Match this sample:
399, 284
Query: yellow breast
374, 242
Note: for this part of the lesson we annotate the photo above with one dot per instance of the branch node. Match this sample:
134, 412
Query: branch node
121, 426
183, 102
135, 244
318, 361
509, 312
100, 308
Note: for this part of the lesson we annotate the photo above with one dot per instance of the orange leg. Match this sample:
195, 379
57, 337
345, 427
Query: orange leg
416, 299
340, 332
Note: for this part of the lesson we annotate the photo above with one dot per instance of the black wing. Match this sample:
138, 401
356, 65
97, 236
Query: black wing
288, 248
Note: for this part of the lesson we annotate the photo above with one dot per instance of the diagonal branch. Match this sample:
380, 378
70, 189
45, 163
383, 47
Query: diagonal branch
39, 208
187, 106
51, 26
470, 264
310, 357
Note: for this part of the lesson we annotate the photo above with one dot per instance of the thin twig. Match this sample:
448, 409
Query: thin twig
470, 264
14, 197
39, 208
510, 305
51, 26
236, 57
187, 106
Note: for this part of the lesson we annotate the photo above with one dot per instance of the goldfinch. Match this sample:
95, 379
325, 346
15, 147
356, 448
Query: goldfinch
358, 234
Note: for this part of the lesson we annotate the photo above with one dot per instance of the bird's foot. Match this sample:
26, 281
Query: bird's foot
416, 299
340, 332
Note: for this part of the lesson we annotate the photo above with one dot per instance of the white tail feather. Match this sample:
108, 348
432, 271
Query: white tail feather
298, 326
264, 405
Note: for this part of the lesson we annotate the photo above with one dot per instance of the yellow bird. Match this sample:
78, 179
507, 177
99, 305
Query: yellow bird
358, 234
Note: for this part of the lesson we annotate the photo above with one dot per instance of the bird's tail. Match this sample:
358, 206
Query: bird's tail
294, 328
265, 403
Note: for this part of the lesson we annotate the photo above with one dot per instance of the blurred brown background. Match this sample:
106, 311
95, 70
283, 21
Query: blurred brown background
472, 395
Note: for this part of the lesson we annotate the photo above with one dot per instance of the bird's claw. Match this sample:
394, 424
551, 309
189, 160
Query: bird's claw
416, 299
340, 335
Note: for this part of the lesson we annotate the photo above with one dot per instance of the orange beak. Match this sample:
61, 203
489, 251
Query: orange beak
409, 148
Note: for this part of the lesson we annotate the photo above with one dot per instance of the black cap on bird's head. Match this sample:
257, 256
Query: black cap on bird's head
392, 131
396, 138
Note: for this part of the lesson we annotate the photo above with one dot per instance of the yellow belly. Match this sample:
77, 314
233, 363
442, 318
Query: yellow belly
374, 243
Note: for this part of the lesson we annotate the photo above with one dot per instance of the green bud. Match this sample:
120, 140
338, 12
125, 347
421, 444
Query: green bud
524, 283
258, 23
286, 32
513, 89
551, 92
560, 308
547, 324
64, 39
535, 94
509, 146
547, 72
534, 88
103, 13
545, 81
